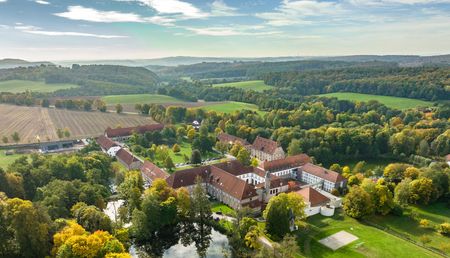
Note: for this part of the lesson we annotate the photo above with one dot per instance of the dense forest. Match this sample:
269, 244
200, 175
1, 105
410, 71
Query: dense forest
92, 79
420, 83
254, 69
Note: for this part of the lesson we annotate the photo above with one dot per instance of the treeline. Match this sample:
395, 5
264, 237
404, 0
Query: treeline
255, 69
420, 83
20, 99
92, 79
331, 130
78, 104
52, 206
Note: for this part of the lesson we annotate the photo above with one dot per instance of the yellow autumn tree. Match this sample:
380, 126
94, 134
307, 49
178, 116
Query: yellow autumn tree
74, 241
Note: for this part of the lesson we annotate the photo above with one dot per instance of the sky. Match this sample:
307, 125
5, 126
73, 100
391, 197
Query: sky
140, 29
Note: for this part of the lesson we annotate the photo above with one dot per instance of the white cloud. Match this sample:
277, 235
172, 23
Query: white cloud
42, 2
294, 12
235, 30
220, 8
175, 7
396, 2
89, 14
3, 1
37, 30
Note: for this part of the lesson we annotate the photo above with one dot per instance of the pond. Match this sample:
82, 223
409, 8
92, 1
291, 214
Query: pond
217, 245
184, 240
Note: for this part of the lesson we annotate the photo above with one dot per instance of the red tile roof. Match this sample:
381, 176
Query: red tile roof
322, 173
286, 163
312, 196
234, 167
275, 182
116, 132
105, 142
187, 177
231, 184
231, 139
126, 157
152, 171
216, 175
264, 145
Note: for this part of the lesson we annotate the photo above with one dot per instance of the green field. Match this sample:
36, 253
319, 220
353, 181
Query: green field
372, 242
5, 160
15, 86
436, 213
140, 99
392, 102
231, 106
246, 85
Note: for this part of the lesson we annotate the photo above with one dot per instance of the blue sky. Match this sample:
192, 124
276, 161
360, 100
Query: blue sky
130, 29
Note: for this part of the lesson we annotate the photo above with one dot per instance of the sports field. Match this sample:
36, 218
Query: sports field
372, 242
140, 99
392, 102
15, 86
246, 85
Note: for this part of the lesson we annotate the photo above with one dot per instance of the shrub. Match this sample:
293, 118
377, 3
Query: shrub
444, 228
424, 223
424, 239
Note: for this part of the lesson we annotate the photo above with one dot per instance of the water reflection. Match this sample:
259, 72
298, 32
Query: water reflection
185, 240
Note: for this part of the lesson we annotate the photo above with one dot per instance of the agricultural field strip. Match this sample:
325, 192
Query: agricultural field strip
30, 122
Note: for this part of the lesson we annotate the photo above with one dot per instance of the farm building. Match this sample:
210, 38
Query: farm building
108, 146
123, 134
130, 161
262, 148
266, 149
150, 172
231, 139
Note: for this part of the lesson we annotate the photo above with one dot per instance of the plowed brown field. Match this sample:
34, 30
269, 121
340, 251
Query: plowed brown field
33, 123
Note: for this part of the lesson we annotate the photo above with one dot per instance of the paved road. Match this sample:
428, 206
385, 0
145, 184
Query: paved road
265, 242
224, 217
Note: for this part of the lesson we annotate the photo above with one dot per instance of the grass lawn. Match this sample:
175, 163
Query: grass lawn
5, 160
370, 163
231, 106
437, 213
392, 102
186, 149
372, 242
246, 85
225, 209
140, 99
15, 86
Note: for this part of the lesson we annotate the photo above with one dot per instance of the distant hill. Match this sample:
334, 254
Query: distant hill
178, 60
402, 60
13, 63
